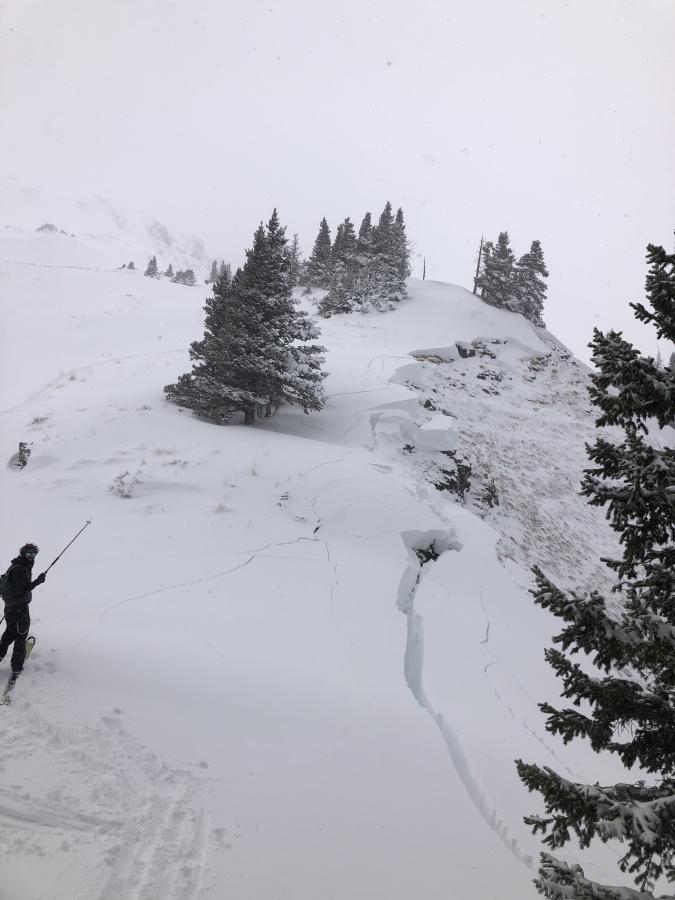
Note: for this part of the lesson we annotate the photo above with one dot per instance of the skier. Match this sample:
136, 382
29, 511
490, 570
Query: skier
16, 593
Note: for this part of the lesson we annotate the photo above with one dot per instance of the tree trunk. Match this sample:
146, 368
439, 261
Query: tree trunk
480, 254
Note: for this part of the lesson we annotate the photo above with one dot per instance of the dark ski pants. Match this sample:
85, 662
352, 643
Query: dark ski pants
17, 624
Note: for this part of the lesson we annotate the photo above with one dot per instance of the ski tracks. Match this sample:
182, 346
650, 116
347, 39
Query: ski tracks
163, 851
93, 797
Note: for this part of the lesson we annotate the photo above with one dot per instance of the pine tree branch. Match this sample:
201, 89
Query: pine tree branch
559, 880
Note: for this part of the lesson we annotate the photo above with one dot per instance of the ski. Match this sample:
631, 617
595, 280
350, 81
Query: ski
7, 693
11, 681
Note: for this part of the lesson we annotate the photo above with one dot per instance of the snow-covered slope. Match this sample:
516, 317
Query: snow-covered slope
247, 683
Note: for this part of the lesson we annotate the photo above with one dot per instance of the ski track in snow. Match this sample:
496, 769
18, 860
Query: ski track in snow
140, 816
88, 368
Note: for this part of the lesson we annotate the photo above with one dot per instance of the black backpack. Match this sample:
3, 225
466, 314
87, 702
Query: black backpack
4, 582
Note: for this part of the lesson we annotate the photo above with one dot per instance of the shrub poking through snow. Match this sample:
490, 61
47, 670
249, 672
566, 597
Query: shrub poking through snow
124, 485
458, 479
629, 709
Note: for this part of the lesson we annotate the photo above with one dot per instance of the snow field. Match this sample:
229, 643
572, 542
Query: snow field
245, 683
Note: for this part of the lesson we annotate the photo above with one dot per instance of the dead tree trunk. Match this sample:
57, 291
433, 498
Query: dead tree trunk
476, 276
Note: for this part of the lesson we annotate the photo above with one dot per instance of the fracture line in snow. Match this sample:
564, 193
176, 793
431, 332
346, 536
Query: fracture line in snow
524, 723
400, 356
487, 628
213, 577
377, 390
413, 666
329, 462
173, 587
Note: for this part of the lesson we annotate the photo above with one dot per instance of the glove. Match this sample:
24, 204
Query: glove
41, 578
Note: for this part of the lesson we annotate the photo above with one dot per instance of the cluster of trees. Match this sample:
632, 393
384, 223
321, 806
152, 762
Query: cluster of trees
628, 707
360, 271
219, 271
258, 351
182, 276
517, 285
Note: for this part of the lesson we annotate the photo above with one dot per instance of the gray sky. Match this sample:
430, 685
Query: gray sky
555, 120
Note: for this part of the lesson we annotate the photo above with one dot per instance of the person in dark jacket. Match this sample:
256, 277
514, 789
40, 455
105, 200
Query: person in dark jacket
17, 595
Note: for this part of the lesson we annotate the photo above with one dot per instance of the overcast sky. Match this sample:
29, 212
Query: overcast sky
554, 120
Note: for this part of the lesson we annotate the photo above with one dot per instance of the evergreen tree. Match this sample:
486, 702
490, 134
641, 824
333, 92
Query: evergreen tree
225, 269
336, 249
169, 272
257, 352
214, 275
485, 262
630, 710
152, 270
497, 278
339, 299
296, 260
387, 283
131, 265
343, 253
185, 276
401, 248
344, 272
319, 264
364, 260
529, 285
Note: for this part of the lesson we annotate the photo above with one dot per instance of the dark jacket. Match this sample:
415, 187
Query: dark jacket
19, 587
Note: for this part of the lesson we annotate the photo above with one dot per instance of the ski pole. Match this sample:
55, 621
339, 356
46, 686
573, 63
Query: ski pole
68, 545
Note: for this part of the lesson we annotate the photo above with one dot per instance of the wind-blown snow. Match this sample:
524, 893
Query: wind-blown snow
247, 683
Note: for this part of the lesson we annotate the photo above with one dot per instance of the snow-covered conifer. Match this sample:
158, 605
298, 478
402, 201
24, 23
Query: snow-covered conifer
225, 269
401, 248
319, 265
338, 299
185, 276
628, 708
387, 283
364, 260
343, 251
169, 272
151, 269
529, 284
213, 276
257, 352
296, 260
497, 277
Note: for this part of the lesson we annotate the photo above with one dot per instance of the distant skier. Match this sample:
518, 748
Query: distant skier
16, 592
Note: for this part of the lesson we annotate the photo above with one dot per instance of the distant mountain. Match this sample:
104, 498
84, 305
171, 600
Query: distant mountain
86, 230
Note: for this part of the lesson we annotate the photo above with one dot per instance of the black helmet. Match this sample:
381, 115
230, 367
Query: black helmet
29, 548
